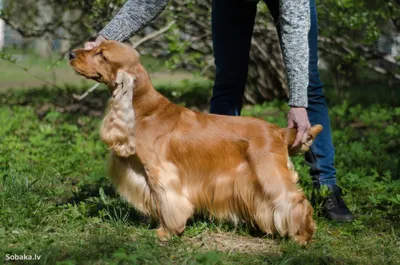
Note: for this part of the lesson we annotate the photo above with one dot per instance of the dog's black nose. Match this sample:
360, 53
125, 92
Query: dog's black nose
72, 55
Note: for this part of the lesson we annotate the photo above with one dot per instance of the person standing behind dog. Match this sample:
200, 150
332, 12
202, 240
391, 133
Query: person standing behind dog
232, 28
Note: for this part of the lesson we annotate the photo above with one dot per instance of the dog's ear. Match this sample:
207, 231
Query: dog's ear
97, 49
132, 58
118, 127
119, 55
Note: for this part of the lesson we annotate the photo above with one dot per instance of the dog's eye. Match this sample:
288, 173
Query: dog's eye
100, 53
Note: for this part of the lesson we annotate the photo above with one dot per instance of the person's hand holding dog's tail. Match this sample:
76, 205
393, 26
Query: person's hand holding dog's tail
298, 119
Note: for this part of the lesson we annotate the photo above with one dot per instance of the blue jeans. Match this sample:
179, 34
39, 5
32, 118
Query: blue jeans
232, 29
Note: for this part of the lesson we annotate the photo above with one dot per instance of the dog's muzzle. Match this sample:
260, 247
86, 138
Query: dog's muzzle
72, 56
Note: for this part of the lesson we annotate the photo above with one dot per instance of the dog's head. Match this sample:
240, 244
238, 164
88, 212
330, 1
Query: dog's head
102, 63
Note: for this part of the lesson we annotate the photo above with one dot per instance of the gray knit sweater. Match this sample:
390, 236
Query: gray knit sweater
294, 25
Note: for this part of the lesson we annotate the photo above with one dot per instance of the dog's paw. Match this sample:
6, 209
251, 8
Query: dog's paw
162, 234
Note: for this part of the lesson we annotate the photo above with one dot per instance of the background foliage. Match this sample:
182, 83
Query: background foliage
349, 34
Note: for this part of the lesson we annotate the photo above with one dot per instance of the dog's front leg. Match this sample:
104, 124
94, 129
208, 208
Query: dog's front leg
173, 207
117, 130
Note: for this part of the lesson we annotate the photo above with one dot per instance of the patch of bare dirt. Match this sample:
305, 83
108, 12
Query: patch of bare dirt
234, 243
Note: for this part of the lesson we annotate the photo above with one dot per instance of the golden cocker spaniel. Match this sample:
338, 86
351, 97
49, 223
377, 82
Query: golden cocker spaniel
170, 162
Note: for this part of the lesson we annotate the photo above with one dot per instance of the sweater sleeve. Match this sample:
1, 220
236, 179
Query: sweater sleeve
132, 17
294, 24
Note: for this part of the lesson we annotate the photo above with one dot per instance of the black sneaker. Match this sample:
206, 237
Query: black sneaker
334, 206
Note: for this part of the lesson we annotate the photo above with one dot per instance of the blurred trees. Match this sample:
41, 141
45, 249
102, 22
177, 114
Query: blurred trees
349, 35
70, 20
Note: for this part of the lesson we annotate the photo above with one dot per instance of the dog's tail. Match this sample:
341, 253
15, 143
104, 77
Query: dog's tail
289, 136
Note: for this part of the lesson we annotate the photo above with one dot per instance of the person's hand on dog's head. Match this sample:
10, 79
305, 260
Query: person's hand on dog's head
92, 44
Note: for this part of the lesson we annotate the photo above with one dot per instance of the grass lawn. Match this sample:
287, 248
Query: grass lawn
56, 200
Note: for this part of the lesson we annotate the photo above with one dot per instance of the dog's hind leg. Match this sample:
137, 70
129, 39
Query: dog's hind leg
279, 206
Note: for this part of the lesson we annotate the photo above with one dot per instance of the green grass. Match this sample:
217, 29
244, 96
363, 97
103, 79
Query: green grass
56, 201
